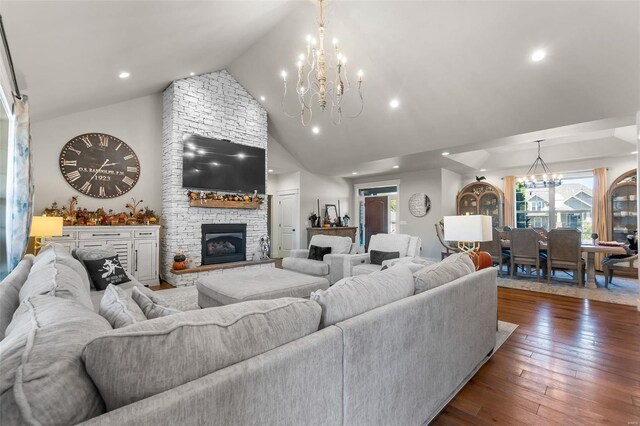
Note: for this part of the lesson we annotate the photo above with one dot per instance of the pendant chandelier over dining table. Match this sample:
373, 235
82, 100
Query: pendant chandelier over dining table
539, 175
322, 78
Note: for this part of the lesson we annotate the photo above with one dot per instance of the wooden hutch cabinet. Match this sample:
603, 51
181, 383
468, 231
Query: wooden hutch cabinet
482, 198
623, 206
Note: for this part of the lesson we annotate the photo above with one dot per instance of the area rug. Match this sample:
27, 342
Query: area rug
623, 291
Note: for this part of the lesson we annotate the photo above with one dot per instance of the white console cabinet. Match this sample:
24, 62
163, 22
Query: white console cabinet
137, 246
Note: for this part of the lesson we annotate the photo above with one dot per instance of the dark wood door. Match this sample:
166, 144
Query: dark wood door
376, 217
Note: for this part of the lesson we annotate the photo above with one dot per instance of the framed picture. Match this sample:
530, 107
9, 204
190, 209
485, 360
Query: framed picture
332, 212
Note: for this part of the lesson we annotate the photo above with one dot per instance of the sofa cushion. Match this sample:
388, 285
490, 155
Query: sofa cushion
119, 308
56, 279
93, 253
440, 273
204, 341
377, 257
339, 245
317, 253
151, 310
365, 268
10, 290
390, 242
461, 260
96, 296
306, 266
106, 271
354, 295
56, 252
42, 377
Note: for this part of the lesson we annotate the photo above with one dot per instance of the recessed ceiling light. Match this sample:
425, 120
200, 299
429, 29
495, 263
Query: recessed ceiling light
483, 170
354, 173
394, 103
315, 130
270, 170
192, 74
634, 152
538, 55
445, 153
241, 155
124, 74
395, 167
262, 98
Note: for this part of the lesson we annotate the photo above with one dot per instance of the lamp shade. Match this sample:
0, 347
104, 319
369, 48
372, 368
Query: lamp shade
471, 228
46, 226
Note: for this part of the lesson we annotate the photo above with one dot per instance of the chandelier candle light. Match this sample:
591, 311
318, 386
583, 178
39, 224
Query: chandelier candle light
322, 78
540, 178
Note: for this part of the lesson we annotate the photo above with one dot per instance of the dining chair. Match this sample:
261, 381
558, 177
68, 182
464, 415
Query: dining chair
448, 245
525, 250
564, 252
494, 248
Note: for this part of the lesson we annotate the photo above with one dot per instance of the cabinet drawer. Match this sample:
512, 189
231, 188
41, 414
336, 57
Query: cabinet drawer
151, 233
103, 234
66, 235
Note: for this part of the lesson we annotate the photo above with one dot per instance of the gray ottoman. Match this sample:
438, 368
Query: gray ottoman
255, 284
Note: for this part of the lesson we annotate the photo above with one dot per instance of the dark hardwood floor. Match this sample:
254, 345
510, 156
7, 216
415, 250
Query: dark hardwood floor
570, 361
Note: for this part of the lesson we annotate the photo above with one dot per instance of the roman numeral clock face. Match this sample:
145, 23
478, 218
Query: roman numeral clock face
99, 165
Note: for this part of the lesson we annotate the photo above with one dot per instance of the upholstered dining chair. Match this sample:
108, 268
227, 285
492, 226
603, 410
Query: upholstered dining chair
525, 250
564, 252
449, 247
494, 248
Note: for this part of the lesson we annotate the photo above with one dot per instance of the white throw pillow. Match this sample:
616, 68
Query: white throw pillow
150, 309
119, 308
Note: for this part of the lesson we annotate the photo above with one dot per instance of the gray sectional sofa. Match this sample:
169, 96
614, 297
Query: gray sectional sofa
387, 358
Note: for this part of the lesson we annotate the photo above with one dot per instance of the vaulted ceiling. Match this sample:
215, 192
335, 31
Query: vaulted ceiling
461, 70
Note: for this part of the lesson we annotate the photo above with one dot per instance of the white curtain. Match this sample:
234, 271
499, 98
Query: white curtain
19, 183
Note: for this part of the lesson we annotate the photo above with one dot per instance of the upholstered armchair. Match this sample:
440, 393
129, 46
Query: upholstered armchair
330, 267
406, 245
610, 264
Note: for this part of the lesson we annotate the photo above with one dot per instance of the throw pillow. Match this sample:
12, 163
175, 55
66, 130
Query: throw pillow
438, 274
93, 253
104, 272
377, 257
317, 253
150, 309
120, 309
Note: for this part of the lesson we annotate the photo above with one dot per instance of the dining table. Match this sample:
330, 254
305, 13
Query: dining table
590, 250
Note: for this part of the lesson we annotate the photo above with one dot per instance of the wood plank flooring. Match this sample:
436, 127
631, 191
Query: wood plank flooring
570, 362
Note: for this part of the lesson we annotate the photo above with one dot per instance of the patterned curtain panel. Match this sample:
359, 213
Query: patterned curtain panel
599, 209
20, 183
510, 201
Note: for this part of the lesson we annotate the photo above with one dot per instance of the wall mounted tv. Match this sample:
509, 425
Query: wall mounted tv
221, 165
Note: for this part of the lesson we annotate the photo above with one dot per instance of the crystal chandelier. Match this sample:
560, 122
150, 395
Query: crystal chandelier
539, 174
322, 78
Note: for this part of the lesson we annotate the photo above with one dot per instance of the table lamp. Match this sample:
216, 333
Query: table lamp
44, 227
469, 231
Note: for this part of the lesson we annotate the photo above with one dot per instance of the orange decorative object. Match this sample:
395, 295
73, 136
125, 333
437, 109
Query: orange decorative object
178, 266
481, 259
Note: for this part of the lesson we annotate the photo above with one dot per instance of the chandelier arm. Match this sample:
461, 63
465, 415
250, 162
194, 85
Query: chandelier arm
361, 104
282, 104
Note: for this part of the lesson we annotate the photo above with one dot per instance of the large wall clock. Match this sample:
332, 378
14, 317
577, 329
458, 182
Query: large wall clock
99, 165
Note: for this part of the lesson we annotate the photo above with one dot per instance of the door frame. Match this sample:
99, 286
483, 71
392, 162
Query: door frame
275, 248
356, 202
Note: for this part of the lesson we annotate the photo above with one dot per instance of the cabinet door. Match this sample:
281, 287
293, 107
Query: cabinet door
69, 245
145, 261
122, 248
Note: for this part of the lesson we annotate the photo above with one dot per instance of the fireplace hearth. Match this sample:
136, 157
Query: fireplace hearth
222, 243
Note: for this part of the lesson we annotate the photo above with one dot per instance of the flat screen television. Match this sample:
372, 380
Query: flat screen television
221, 165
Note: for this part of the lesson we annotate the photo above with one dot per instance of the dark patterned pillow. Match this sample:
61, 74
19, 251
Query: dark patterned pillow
317, 253
377, 257
106, 271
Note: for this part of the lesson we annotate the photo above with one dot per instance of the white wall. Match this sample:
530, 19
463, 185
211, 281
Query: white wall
137, 122
441, 186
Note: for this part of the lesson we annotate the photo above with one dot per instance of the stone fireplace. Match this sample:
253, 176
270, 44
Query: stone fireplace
222, 243
212, 105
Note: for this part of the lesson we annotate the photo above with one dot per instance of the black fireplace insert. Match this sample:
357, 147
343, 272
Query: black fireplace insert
222, 243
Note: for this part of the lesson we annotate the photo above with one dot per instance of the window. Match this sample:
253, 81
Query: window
566, 206
4, 148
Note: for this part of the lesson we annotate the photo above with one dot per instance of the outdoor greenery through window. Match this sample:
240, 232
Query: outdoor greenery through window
566, 206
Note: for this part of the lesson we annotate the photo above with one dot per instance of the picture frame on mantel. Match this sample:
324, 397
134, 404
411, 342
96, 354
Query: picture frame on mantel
331, 212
